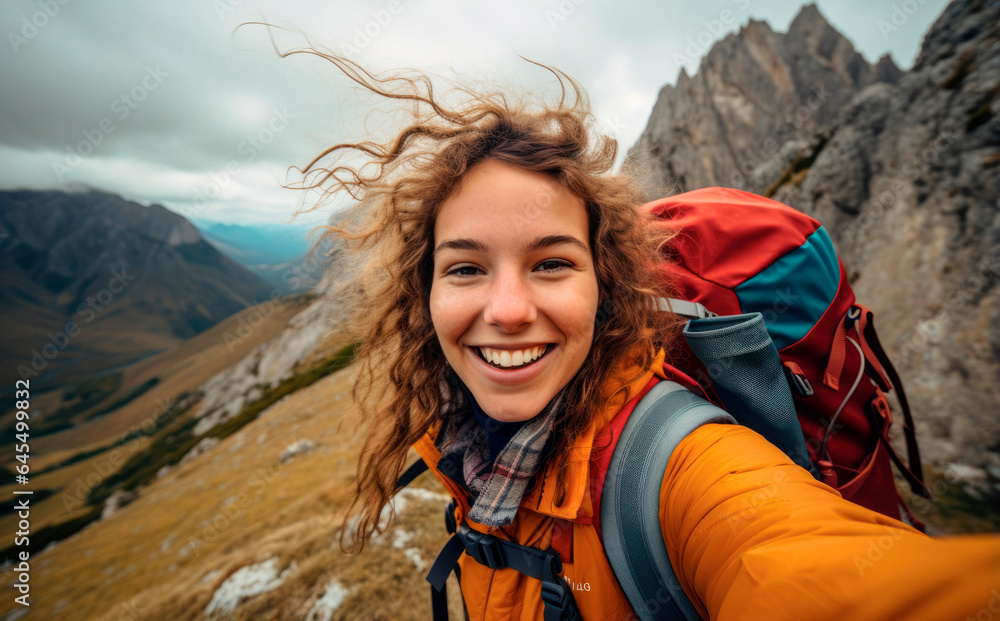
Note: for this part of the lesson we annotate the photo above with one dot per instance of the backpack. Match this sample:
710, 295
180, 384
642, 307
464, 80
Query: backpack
776, 336
742, 253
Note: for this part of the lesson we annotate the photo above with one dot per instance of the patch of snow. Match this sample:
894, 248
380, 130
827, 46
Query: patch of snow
205, 445
415, 493
298, 447
332, 598
401, 538
414, 555
169, 541
247, 582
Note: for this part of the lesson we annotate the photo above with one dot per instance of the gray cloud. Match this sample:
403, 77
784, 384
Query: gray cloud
161, 102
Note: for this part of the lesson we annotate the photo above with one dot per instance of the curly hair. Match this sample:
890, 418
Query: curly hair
399, 187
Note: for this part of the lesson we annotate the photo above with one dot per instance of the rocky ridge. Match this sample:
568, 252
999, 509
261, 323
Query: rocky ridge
902, 168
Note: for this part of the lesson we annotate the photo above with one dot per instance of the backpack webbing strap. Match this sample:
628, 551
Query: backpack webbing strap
691, 310
438, 575
416, 469
496, 553
914, 474
630, 504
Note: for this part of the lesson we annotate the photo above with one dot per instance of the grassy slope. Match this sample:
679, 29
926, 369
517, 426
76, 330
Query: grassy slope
236, 505
182, 368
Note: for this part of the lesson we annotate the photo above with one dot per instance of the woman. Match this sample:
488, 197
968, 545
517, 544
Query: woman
508, 318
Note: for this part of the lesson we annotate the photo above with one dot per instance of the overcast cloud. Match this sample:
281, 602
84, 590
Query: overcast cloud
156, 100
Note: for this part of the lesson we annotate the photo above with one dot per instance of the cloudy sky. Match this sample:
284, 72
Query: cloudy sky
167, 102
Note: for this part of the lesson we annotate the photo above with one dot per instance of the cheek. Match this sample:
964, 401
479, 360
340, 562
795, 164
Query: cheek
450, 314
439, 311
578, 313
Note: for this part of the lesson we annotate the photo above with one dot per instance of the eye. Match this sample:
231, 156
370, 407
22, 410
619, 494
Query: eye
552, 265
463, 271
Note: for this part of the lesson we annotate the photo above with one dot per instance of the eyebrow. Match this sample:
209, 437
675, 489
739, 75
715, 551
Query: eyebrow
537, 244
554, 240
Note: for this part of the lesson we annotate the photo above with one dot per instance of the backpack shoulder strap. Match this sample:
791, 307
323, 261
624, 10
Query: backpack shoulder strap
630, 502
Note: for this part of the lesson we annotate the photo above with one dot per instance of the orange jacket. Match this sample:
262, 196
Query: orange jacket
750, 535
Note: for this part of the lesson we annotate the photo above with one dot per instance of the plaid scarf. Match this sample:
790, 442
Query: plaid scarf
497, 491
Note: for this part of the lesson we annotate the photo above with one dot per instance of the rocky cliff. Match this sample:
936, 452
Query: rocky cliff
756, 96
902, 168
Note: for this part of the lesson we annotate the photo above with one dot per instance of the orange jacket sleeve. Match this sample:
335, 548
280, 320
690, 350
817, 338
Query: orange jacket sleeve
753, 536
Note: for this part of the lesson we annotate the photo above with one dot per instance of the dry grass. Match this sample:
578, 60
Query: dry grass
180, 368
237, 505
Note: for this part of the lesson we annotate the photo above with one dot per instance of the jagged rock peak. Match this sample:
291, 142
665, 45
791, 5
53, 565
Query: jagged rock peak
808, 19
753, 93
887, 71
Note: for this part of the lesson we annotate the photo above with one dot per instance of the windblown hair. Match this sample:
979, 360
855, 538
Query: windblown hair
399, 188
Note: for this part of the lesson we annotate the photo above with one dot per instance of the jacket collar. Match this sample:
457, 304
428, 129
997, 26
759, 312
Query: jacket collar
578, 503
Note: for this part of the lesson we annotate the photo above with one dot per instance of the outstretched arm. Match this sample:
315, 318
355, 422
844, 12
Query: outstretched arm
753, 536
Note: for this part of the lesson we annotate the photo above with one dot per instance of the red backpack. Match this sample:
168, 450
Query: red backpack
736, 253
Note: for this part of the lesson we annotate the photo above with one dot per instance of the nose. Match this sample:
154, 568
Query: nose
509, 304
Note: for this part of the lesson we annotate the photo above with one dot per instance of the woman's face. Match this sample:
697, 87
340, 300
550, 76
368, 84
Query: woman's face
514, 291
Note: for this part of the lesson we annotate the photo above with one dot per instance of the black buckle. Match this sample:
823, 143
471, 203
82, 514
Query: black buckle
556, 596
482, 547
799, 384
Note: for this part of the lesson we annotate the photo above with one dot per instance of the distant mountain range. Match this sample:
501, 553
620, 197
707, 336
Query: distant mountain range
276, 253
92, 281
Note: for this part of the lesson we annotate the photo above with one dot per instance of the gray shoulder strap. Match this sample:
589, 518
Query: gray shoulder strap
630, 501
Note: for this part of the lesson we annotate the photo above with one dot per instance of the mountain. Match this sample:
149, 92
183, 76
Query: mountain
278, 254
93, 281
257, 243
902, 168
755, 97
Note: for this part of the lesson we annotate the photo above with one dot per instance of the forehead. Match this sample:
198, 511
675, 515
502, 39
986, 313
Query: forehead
497, 200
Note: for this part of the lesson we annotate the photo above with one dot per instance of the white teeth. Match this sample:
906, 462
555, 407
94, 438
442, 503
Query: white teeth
508, 359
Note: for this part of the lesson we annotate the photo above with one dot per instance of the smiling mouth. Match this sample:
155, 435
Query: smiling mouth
511, 359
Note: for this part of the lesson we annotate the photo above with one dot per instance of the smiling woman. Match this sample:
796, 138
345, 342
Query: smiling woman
514, 292
509, 326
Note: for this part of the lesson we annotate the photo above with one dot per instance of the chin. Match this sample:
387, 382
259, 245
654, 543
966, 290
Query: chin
513, 410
